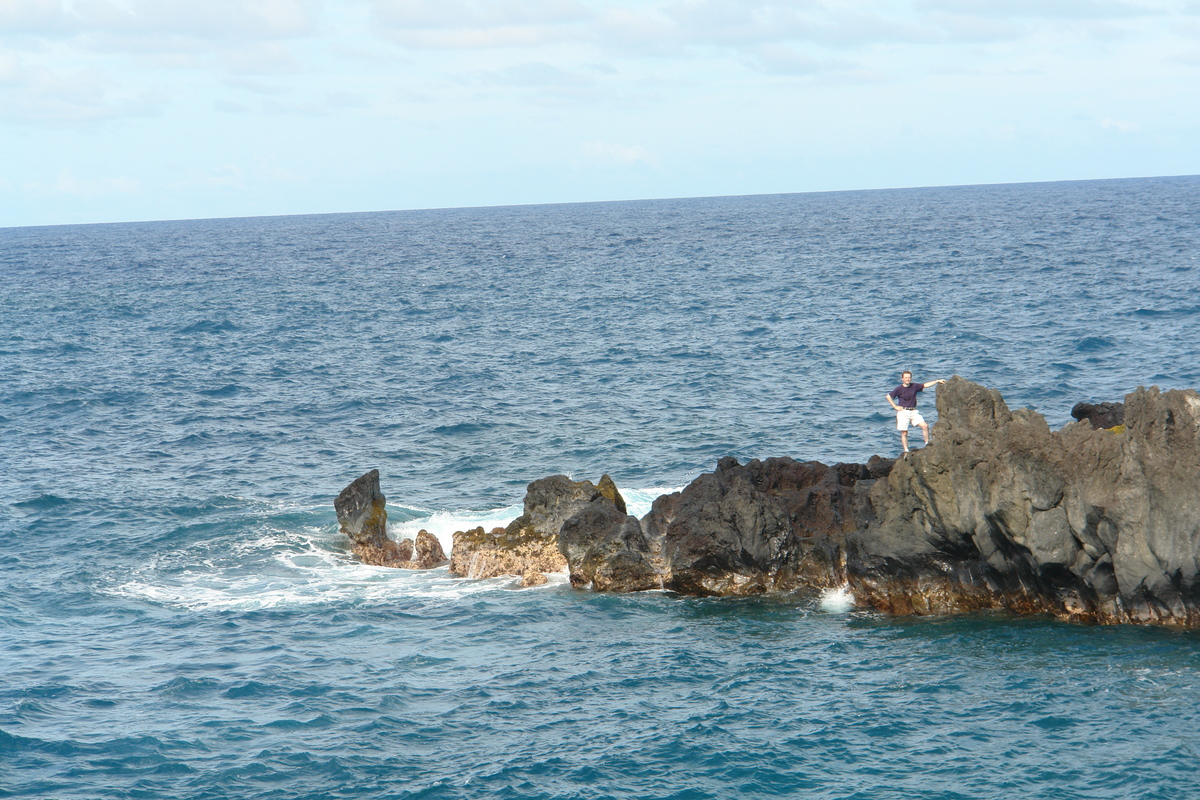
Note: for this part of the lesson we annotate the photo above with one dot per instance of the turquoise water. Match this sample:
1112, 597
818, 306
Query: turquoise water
183, 400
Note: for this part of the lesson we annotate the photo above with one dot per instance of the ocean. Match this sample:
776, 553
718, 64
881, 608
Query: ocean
181, 402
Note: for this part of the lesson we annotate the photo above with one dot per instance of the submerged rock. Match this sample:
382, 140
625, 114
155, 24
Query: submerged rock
999, 512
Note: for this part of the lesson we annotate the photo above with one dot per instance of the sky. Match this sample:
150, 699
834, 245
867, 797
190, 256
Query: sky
122, 110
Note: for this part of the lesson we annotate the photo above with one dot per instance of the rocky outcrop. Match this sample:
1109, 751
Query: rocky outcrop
515, 550
607, 549
1087, 523
424, 553
1001, 512
1096, 522
766, 526
362, 517
529, 545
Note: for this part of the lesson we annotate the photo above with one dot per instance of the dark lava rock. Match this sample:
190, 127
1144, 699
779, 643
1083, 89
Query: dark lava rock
362, 516
605, 547
999, 512
1104, 415
745, 529
765, 526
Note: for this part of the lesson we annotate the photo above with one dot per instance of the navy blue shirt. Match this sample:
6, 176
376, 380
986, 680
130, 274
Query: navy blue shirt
906, 396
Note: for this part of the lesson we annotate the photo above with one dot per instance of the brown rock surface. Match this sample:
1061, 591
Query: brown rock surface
529, 544
425, 553
478, 554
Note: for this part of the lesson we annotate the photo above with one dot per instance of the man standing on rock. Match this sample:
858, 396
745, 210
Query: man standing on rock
904, 399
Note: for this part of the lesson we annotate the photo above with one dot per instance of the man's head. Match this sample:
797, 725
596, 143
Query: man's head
906, 377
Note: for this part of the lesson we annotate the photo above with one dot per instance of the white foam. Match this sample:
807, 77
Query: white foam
291, 577
273, 565
443, 524
638, 501
837, 601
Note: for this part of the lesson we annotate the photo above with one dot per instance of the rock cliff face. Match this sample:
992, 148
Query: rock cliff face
999, 512
765, 526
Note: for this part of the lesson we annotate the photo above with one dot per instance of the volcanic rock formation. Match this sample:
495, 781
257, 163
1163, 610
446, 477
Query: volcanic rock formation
1095, 522
362, 516
999, 512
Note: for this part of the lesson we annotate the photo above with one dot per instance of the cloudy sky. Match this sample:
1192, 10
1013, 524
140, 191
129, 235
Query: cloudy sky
117, 110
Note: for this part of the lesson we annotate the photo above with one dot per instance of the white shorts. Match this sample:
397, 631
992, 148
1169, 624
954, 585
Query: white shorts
908, 416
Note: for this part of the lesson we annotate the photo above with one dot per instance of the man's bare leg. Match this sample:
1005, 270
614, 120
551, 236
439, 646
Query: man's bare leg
904, 440
925, 431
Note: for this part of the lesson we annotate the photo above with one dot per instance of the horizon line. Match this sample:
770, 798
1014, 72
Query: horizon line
599, 202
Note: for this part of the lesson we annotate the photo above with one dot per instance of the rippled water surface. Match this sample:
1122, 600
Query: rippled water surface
182, 401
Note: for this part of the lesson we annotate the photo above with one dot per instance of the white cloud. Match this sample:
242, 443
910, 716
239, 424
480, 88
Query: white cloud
1120, 126
227, 176
255, 86
261, 58
477, 24
732, 22
688, 27
255, 174
68, 184
231, 107
781, 59
212, 19
617, 155
1050, 9
540, 74
513, 100
415, 14
32, 16
11, 68
71, 96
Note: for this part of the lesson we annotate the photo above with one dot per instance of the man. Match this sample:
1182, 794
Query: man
904, 399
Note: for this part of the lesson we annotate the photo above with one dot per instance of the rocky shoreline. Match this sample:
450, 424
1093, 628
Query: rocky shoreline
1098, 522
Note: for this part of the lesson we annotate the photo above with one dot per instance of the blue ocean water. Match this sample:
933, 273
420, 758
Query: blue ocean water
182, 400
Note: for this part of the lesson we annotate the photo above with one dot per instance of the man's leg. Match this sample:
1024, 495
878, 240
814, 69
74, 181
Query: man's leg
925, 431
904, 439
